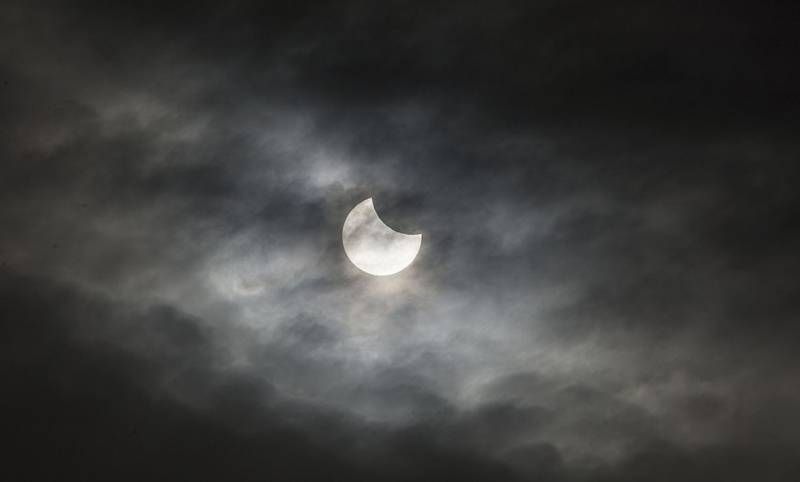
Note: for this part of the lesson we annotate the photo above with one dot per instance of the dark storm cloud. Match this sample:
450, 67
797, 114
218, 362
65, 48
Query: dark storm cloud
82, 408
605, 292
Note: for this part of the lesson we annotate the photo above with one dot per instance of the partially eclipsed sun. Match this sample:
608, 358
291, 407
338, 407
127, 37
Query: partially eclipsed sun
373, 246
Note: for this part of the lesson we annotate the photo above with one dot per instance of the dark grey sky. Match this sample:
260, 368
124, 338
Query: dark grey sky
607, 284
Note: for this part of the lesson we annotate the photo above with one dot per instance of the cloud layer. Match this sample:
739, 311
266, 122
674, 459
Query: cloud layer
605, 291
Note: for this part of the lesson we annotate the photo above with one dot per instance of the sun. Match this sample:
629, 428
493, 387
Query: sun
374, 247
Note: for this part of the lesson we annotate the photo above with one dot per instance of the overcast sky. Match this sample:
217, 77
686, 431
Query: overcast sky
607, 286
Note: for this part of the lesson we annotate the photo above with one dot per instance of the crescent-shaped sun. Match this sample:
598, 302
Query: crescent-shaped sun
374, 247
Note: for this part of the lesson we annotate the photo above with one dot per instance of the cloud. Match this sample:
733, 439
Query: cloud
605, 289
